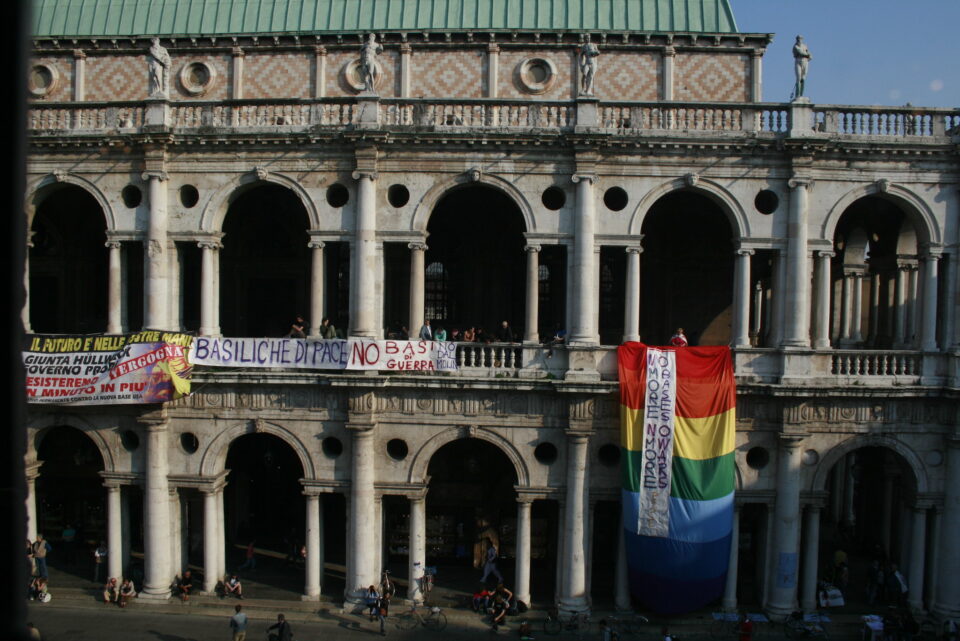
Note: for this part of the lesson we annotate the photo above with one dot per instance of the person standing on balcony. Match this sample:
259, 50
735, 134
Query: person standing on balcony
505, 333
426, 334
679, 339
440, 334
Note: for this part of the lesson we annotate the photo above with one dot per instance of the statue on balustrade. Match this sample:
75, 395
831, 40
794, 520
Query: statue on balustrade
368, 63
159, 67
589, 53
801, 60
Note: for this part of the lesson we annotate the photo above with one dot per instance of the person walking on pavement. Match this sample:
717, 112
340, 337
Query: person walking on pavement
40, 550
284, 633
238, 623
99, 555
490, 565
251, 562
383, 610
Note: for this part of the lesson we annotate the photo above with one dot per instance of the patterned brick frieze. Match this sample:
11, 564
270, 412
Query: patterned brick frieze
563, 87
278, 75
63, 91
448, 74
220, 87
628, 76
117, 78
703, 77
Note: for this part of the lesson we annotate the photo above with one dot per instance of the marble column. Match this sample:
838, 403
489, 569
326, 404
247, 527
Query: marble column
733, 565
913, 309
417, 279
114, 289
176, 528
531, 332
210, 539
522, 580
32, 471
900, 305
573, 590
361, 562
156, 254
221, 536
756, 321
782, 597
314, 543
811, 556
928, 331
209, 284
874, 316
821, 328
797, 321
621, 598
631, 311
583, 328
156, 512
846, 308
363, 276
918, 543
316, 286
114, 532
856, 317
741, 299
417, 553
25, 310
947, 604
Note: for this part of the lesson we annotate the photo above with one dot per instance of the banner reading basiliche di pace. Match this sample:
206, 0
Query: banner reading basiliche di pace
100, 369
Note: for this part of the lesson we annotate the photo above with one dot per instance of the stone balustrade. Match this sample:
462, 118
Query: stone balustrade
885, 121
732, 117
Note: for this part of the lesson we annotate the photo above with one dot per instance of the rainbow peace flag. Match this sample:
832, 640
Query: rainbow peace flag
677, 423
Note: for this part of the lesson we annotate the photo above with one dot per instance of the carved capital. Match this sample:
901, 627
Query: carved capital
575, 178
691, 179
405, 48
634, 250
212, 245
359, 174
669, 52
745, 252
932, 251
826, 254
417, 247
791, 441
493, 47
237, 52
79, 54
112, 244
316, 244
800, 181
533, 249
149, 175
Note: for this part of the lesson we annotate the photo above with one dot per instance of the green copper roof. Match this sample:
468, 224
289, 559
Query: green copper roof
127, 18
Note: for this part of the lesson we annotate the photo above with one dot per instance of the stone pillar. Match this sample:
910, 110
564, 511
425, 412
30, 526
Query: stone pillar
417, 279
405, 70
361, 563
221, 536
821, 329
756, 322
531, 332
156, 254
573, 590
210, 539
621, 598
583, 328
25, 310
782, 597
918, 543
856, 319
930, 586
320, 72
756, 75
741, 299
846, 308
114, 289
79, 75
493, 69
363, 276
733, 567
114, 532
900, 303
631, 312
522, 580
32, 471
913, 311
874, 316
947, 604
176, 530
316, 286
156, 512
561, 547
314, 543
811, 556
928, 332
417, 553
797, 321
669, 56
236, 92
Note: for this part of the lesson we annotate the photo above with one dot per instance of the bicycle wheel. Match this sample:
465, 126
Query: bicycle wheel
436, 621
407, 621
552, 626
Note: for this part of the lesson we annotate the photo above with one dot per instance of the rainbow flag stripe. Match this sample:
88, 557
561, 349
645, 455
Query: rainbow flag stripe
686, 569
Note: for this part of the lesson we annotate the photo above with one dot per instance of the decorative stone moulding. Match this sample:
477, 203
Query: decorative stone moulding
353, 77
43, 80
197, 77
536, 75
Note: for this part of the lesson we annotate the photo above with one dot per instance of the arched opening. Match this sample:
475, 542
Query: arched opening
70, 495
686, 270
265, 263
876, 277
68, 263
263, 502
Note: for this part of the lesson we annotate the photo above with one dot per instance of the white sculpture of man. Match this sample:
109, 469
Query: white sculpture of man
368, 63
801, 59
588, 66
159, 69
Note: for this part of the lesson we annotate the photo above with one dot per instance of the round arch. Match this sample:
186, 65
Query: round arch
35, 190
214, 457
215, 211
914, 207
427, 204
730, 206
46, 423
842, 449
421, 461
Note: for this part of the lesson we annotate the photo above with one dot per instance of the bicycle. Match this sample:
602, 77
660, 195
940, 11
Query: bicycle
628, 625
435, 619
574, 622
799, 625
426, 581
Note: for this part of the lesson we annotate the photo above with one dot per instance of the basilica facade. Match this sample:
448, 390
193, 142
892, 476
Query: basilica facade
607, 178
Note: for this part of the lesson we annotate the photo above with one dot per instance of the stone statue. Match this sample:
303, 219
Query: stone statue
589, 53
801, 59
159, 69
368, 63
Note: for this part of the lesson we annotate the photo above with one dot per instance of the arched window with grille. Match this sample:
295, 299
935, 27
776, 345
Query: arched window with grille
436, 292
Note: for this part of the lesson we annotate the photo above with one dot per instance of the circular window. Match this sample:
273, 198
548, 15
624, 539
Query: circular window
766, 201
332, 446
397, 449
337, 195
758, 457
132, 196
546, 453
189, 196
129, 440
197, 77
536, 75
553, 198
43, 80
398, 195
811, 457
354, 78
189, 442
615, 198
609, 454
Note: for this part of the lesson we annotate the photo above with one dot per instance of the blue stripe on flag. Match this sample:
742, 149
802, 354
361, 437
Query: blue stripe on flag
690, 521
678, 559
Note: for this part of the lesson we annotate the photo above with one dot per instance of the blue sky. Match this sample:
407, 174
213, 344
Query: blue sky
865, 52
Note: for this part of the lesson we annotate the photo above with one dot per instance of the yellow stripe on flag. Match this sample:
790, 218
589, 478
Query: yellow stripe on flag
695, 438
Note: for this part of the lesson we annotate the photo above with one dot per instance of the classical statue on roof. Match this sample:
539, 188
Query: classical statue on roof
159, 68
368, 63
801, 60
589, 53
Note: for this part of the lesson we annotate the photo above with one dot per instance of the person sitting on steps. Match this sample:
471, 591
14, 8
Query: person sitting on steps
232, 586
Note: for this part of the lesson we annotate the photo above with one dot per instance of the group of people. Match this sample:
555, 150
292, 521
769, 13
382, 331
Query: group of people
38, 589
298, 328
279, 631
497, 601
378, 600
119, 592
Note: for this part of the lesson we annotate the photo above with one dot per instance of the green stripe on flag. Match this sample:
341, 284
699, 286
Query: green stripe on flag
703, 480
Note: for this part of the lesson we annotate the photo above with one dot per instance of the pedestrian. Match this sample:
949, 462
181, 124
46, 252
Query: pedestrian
40, 550
490, 565
383, 610
251, 562
127, 592
896, 587
665, 634
284, 633
238, 623
111, 591
99, 555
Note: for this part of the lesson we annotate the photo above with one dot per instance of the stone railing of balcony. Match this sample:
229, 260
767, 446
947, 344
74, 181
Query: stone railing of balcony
477, 114
632, 117
885, 122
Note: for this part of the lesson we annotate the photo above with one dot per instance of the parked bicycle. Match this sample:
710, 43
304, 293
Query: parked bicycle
814, 624
433, 619
626, 626
555, 623
426, 581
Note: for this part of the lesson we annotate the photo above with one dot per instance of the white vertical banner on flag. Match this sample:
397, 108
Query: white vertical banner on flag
660, 399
